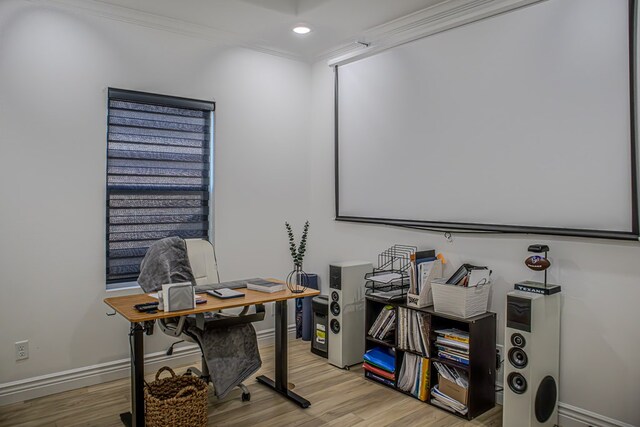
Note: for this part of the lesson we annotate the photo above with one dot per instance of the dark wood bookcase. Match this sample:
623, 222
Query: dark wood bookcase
482, 352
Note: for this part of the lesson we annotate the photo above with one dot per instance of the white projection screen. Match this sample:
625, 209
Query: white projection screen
520, 122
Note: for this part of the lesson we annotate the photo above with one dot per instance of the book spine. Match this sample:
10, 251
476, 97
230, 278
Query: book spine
456, 338
450, 356
378, 378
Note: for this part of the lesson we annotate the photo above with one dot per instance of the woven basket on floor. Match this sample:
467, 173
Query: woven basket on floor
177, 401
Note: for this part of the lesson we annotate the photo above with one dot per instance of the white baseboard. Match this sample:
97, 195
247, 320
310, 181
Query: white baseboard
572, 416
44, 385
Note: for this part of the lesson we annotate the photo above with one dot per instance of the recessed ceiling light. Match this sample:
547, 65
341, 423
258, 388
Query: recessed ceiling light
302, 29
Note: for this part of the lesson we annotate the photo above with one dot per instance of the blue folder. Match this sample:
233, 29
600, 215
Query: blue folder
381, 358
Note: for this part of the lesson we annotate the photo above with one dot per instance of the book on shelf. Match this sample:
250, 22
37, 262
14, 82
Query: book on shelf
378, 371
453, 374
263, 285
456, 352
453, 337
452, 343
414, 376
454, 334
382, 358
384, 323
413, 330
378, 378
388, 327
454, 357
424, 267
440, 399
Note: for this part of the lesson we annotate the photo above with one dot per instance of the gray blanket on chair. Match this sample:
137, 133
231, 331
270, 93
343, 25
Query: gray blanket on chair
231, 352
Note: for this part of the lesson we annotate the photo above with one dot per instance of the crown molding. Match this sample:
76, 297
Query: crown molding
432, 20
164, 23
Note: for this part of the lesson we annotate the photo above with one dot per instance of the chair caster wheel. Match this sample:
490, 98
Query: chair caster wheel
246, 397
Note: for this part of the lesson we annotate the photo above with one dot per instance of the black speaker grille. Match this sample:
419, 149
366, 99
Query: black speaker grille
546, 397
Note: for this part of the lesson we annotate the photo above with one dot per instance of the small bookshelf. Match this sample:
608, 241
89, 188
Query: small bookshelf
480, 371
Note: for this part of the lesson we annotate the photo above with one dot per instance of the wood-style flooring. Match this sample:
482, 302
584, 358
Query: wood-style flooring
338, 398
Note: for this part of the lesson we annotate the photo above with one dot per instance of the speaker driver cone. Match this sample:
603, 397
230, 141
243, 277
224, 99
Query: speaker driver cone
518, 358
518, 340
335, 296
335, 308
335, 326
517, 383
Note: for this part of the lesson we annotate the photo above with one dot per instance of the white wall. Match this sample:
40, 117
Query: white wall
600, 341
274, 161
55, 66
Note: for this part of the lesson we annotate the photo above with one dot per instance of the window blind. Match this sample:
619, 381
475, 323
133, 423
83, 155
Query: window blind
158, 175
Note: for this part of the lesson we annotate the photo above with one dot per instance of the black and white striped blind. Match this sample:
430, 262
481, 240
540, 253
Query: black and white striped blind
158, 175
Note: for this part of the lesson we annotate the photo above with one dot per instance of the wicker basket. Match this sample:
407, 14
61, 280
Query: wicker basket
177, 401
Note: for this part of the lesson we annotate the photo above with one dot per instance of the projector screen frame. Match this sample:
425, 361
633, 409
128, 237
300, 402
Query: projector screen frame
443, 226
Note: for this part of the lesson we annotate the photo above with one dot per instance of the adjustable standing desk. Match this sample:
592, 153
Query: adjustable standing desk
143, 322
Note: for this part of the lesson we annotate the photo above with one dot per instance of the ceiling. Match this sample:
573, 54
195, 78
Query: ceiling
267, 23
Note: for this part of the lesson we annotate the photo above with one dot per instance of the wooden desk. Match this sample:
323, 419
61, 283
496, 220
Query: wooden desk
143, 322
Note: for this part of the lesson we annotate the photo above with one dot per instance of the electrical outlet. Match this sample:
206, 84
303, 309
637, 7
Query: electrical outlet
22, 350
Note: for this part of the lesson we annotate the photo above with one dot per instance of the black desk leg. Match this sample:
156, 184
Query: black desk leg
135, 418
281, 384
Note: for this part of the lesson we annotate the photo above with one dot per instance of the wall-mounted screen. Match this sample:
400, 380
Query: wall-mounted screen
521, 122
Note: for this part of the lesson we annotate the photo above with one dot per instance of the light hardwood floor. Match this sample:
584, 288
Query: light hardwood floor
338, 398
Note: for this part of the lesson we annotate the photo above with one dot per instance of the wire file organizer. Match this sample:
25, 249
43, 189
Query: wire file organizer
390, 279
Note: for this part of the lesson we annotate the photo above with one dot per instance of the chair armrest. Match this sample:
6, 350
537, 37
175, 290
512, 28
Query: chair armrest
175, 326
172, 327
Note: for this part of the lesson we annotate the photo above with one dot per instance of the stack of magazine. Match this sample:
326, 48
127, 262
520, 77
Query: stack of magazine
414, 376
413, 331
385, 323
380, 365
442, 400
454, 375
453, 344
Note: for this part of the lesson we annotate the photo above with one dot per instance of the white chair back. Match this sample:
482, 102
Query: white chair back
203, 261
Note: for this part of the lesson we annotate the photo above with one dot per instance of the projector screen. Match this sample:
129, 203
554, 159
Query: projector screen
521, 122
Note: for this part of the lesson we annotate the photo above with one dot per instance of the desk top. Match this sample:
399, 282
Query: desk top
124, 304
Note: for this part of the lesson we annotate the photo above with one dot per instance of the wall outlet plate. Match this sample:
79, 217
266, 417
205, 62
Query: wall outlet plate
22, 350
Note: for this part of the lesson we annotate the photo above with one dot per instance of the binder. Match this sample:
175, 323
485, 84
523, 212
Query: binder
422, 295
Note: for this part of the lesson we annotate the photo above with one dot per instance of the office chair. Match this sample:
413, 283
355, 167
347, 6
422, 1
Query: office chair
205, 271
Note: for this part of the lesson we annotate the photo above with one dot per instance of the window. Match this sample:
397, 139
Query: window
158, 175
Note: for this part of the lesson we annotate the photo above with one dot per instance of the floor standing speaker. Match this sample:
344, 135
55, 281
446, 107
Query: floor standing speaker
346, 312
532, 359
